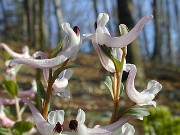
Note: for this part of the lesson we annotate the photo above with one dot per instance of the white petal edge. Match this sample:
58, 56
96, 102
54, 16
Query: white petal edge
126, 39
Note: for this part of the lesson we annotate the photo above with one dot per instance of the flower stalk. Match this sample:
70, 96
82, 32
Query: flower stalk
45, 107
19, 118
118, 76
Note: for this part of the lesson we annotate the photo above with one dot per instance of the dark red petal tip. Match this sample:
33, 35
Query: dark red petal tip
58, 128
76, 30
95, 25
73, 125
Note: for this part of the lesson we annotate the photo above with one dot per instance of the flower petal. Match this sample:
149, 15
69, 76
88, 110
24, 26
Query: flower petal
126, 129
42, 125
68, 73
14, 54
64, 94
122, 41
146, 96
60, 84
69, 52
81, 116
5, 101
105, 61
107, 130
56, 116
45, 71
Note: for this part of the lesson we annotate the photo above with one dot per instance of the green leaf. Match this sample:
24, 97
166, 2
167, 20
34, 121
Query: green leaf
138, 111
109, 53
108, 83
11, 87
4, 131
122, 88
22, 126
40, 90
58, 48
6, 55
59, 70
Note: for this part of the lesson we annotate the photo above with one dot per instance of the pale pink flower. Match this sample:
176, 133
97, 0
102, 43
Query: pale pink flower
54, 126
56, 118
147, 95
69, 51
103, 37
60, 84
25, 51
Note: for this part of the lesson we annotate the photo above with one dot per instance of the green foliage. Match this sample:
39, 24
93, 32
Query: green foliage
21, 127
138, 111
4, 131
57, 49
108, 83
6, 55
161, 122
109, 53
40, 90
11, 87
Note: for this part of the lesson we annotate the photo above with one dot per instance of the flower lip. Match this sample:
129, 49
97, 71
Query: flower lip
73, 125
58, 128
76, 30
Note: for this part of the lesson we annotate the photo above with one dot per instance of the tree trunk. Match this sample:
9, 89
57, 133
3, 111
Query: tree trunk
41, 26
171, 53
59, 17
125, 16
139, 4
157, 56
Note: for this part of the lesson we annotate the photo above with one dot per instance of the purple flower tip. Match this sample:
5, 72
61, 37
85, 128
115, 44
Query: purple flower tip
95, 25
73, 125
58, 128
76, 30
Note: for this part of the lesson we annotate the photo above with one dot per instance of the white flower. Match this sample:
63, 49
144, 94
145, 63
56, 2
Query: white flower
54, 126
118, 128
146, 96
69, 51
103, 37
25, 51
60, 84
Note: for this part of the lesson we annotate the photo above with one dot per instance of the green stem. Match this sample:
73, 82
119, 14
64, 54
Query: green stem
45, 107
19, 118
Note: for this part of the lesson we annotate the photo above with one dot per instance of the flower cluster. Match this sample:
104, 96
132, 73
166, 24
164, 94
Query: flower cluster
111, 52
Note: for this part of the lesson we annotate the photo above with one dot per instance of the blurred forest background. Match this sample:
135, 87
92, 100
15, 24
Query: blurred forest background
37, 23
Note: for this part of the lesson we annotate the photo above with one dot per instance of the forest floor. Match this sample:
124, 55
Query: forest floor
89, 93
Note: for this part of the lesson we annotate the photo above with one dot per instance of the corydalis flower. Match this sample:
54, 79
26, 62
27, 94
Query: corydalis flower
25, 51
11, 71
77, 126
69, 51
54, 124
103, 37
60, 84
146, 96
118, 128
